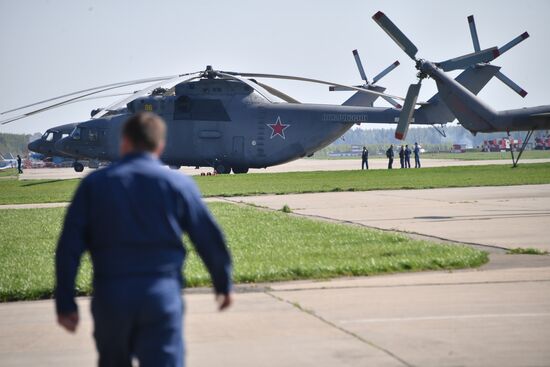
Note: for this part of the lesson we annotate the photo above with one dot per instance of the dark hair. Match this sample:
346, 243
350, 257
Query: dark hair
145, 130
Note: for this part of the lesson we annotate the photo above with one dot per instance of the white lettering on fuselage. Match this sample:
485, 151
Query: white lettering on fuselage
345, 117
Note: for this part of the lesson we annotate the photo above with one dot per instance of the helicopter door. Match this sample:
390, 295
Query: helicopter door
238, 146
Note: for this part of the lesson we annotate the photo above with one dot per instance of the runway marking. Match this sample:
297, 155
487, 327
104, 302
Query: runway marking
447, 317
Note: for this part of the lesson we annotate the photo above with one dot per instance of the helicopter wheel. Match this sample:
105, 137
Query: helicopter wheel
239, 170
78, 167
222, 169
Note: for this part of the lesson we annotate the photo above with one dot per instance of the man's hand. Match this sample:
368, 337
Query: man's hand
224, 301
68, 321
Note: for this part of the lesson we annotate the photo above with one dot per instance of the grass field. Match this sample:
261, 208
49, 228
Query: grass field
8, 173
266, 246
43, 191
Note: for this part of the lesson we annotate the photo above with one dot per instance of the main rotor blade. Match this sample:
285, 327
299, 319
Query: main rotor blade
407, 112
119, 85
385, 72
462, 62
396, 35
58, 104
360, 66
473, 33
145, 91
392, 102
516, 88
522, 37
277, 93
334, 88
298, 78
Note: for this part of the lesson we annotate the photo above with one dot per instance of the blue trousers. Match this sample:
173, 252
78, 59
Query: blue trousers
138, 317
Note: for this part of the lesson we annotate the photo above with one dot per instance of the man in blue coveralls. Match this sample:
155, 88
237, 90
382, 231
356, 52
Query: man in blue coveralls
131, 217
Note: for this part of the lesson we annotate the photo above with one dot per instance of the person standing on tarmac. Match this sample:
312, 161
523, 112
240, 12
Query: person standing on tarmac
389, 155
131, 217
19, 163
402, 156
407, 157
365, 158
416, 155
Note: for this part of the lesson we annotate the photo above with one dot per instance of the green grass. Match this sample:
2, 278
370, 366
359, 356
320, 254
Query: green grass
526, 251
8, 173
42, 191
266, 246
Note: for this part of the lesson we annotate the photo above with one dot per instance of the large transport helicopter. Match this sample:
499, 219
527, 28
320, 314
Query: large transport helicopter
232, 122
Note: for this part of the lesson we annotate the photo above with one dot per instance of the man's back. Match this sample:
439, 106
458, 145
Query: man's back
131, 217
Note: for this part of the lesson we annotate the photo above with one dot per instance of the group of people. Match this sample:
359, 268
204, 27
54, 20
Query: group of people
404, 156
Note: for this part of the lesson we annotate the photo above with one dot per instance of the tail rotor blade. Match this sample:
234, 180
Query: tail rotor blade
513, 42
360, 66
407, 111
395, 33
516, 88
384, 72
462, 62
473, 33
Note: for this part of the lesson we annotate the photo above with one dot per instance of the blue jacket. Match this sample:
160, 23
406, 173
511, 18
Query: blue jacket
131, 217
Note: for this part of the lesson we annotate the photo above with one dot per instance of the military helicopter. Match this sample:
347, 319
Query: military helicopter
470, 111
232, 122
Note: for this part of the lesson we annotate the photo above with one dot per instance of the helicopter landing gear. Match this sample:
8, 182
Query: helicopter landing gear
222, 169
239, 170
525, 142
78, 167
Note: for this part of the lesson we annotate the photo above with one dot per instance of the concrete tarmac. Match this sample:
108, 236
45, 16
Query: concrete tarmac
487, 317
300, 165
504, 216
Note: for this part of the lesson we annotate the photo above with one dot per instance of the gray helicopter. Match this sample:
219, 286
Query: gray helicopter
471, 112
230, 121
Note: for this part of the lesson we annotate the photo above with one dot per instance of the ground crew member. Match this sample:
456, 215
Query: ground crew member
416, 155
131, 217
402, 156
365, 158
407, 157
19, 169
389, 154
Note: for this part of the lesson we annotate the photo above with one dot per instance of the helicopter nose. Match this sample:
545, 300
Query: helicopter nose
33, 145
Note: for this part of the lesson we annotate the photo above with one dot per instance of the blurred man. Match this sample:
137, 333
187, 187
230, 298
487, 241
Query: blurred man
402, 156
389, 155
131, 217
416, 155
19, 169
365, 158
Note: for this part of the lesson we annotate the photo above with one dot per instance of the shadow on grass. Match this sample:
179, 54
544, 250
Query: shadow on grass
42, 182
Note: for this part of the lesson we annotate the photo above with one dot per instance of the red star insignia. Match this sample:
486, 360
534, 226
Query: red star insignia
278, 128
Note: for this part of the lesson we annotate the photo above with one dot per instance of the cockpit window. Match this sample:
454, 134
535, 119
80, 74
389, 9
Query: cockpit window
48, 136
75, 135
92, 135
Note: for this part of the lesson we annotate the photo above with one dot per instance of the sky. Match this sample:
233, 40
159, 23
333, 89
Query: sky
52, 47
